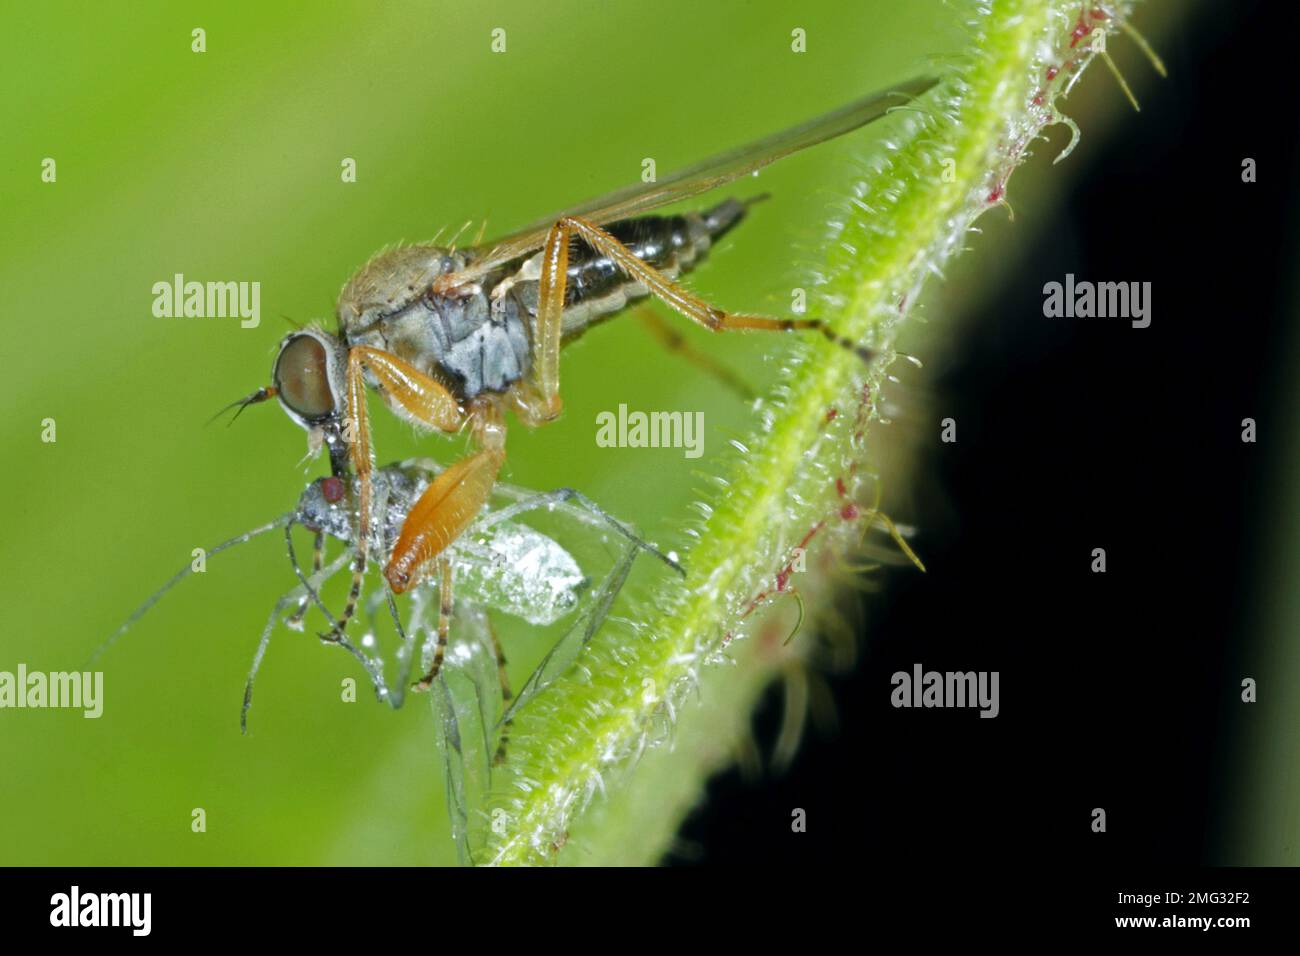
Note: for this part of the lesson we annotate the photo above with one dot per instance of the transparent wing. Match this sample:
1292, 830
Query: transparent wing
566, 650
704, 176
466, 702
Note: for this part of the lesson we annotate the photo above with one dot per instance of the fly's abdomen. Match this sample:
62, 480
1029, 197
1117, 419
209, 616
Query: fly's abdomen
672, 244
596, 287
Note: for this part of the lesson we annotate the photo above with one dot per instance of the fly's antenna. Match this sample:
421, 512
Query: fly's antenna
261, 395
154, 598
293, 323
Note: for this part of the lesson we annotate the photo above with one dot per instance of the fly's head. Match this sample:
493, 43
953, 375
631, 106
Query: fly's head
309, 378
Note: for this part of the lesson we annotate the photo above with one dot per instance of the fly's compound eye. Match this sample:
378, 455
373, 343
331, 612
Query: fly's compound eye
302, 378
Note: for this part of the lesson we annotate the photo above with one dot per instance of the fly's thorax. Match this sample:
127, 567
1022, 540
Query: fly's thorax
390, 282
469, 341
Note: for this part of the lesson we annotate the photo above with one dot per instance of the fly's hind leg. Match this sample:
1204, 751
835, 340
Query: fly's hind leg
549, 324
674, 341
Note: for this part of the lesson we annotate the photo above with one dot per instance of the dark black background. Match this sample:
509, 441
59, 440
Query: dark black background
1118, 690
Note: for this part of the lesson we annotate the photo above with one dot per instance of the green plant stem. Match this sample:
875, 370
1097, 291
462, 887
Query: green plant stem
591, 775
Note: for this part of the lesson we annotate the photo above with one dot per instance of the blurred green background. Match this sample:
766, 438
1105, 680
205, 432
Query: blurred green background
225, 166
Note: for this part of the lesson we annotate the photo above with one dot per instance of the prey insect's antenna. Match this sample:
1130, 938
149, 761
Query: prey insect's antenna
282, 521
287, 601
261, 395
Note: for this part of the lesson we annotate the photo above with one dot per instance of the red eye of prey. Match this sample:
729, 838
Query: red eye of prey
332, 489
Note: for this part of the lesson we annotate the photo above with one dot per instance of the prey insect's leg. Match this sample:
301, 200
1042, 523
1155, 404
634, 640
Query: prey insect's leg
308, 587
317, 559
561, 495
500, 756
335, 635
444, 624
375, 599
408, 644
421, 397
551, 292
309, 590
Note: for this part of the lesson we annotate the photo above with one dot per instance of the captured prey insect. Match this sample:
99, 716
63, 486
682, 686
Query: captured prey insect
453, 339
501, 564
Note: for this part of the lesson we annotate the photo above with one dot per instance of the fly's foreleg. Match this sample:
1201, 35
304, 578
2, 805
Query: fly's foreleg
421, 397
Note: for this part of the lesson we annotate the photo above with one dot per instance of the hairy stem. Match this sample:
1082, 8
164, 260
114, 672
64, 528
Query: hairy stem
593, 773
